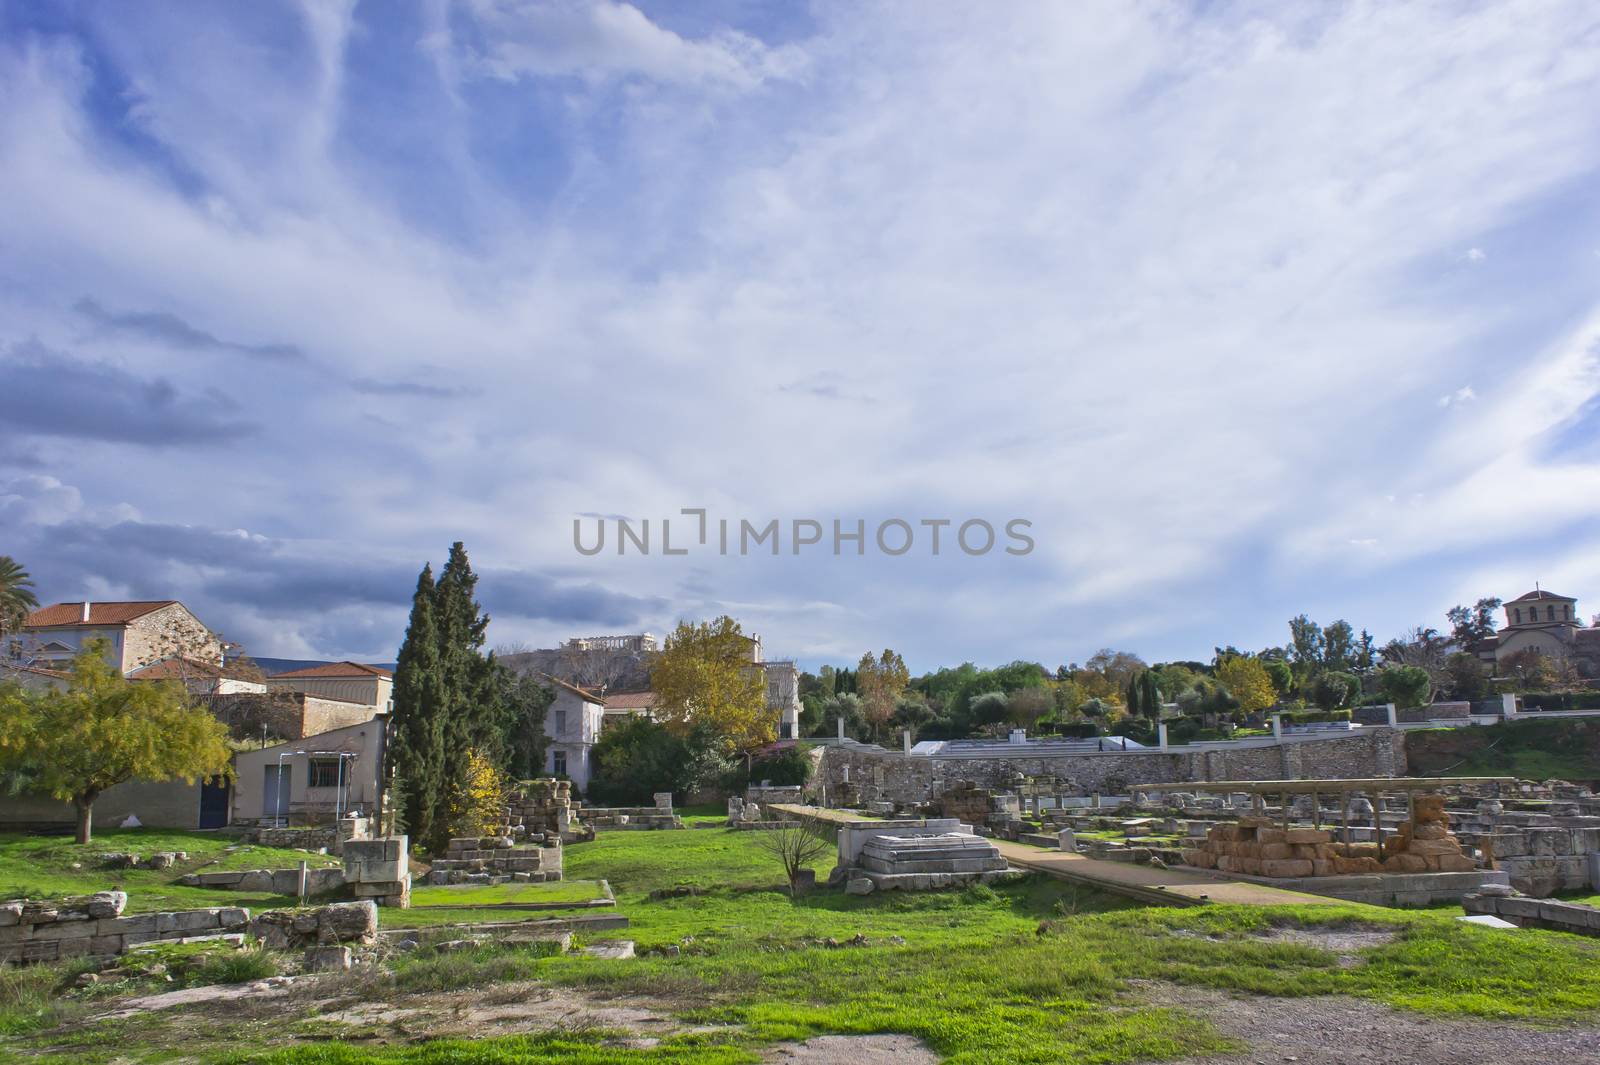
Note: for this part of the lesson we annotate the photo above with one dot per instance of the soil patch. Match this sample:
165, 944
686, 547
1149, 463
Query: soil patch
854, 1049
1345, 1031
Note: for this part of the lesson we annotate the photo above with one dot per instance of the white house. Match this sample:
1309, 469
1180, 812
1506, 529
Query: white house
351, 682
312, 780
572, 724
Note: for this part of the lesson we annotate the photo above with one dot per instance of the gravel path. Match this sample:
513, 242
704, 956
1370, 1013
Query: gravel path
1347, 1031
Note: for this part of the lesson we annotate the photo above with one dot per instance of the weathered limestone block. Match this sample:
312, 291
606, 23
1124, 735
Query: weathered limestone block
327, 959
341, 922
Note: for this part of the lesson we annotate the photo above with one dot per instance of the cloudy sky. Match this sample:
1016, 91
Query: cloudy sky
1250, 308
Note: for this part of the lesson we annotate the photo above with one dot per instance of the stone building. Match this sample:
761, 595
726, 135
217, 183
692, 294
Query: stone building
137, 634
350, 682
1549, 624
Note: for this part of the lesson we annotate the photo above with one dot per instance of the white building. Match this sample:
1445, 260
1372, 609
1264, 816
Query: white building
572, 724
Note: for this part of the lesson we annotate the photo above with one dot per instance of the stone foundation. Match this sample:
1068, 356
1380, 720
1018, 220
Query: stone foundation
33, 931
1536, 913
495, 860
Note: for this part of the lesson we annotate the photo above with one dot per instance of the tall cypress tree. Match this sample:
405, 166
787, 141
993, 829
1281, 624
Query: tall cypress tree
471, 717
1150, 695
416, 749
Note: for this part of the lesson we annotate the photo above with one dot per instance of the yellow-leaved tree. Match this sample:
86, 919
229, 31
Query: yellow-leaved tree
103, 730
880, 682
1248, 681
706, 675
477, 803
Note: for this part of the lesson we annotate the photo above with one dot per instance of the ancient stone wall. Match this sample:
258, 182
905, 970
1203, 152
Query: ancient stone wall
47, 931
877, 774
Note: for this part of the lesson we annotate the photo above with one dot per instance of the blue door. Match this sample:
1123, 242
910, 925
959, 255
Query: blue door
214, 794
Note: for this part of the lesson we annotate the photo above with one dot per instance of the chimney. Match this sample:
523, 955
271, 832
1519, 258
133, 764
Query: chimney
86, 611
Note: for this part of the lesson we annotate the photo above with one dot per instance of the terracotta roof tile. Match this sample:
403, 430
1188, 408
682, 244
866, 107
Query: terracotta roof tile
336, 669
59, 614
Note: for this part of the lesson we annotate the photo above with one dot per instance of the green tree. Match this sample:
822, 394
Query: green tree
880, 681
16, 596
1333, 689
704, 676
1149, 696
1247, 681
417, 723
1471, 624
1406, 686
1282, 677
1338, 646
104, 730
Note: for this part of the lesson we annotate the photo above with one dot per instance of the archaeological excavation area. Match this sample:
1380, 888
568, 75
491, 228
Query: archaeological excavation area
1018, 919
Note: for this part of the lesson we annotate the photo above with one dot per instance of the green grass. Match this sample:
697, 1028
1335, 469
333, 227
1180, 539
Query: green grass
1564, 749
1032, 971
42, 867
467, 896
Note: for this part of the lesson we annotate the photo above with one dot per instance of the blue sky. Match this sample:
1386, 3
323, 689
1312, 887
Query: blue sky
1251, 309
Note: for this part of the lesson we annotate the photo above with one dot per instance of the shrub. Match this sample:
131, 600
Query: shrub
235, 967
789, 766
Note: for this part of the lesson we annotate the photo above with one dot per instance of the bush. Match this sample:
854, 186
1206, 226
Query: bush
1078, 730
235, 967
1561, 701
787, 767
634, 760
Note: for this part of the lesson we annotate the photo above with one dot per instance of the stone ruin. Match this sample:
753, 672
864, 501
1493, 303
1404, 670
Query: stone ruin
542, 811
379, 869
658, 816
341, 922
496, 860
913, 855
33, 930
1255, 846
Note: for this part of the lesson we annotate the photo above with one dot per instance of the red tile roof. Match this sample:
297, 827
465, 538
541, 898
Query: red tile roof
176, 668
12, 667
1541, 594
336, 669
70, 614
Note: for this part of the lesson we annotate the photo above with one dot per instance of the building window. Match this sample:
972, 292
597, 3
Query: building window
326, 773
561, 722
1550, 612
558, 763
1518, 615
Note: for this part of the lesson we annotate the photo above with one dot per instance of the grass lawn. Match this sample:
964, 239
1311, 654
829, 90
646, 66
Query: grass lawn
1032, 971
470, 895
43, 867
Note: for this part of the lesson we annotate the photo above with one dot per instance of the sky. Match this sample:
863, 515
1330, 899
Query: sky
1248, 309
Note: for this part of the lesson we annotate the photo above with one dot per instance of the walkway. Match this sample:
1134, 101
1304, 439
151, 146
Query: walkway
1146, 883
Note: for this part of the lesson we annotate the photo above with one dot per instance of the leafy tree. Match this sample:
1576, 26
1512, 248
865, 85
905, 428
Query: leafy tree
880, 682
1149, 696
1406, 686
990, 708
1334, 689
1247, 682
634, 759
1306, 644
1338, 646
1466, 678
478, 802
704, 676
1282, 677
1026, 707
846, 705
911, 712
16, 595
1366, 655
1471, 624
526, 702
105, 730
416, 752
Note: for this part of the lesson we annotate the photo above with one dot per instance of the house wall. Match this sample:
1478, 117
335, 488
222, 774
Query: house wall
307, 804
164, 804
372, 691
582, 724
166, 632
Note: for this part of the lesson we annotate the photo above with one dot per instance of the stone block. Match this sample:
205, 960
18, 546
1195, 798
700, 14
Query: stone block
374, 872
859, 885
1292, 867
121, 926
1275, 852
325, 959
64, 930
1520, 908
186, 921
258, 880
10, 913
107, 945
106, 904
1307, 835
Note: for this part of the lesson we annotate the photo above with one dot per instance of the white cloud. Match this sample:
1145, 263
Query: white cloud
1475, 255
1160, 283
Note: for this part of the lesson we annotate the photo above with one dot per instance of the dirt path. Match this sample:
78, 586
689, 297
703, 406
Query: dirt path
1347, 1031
